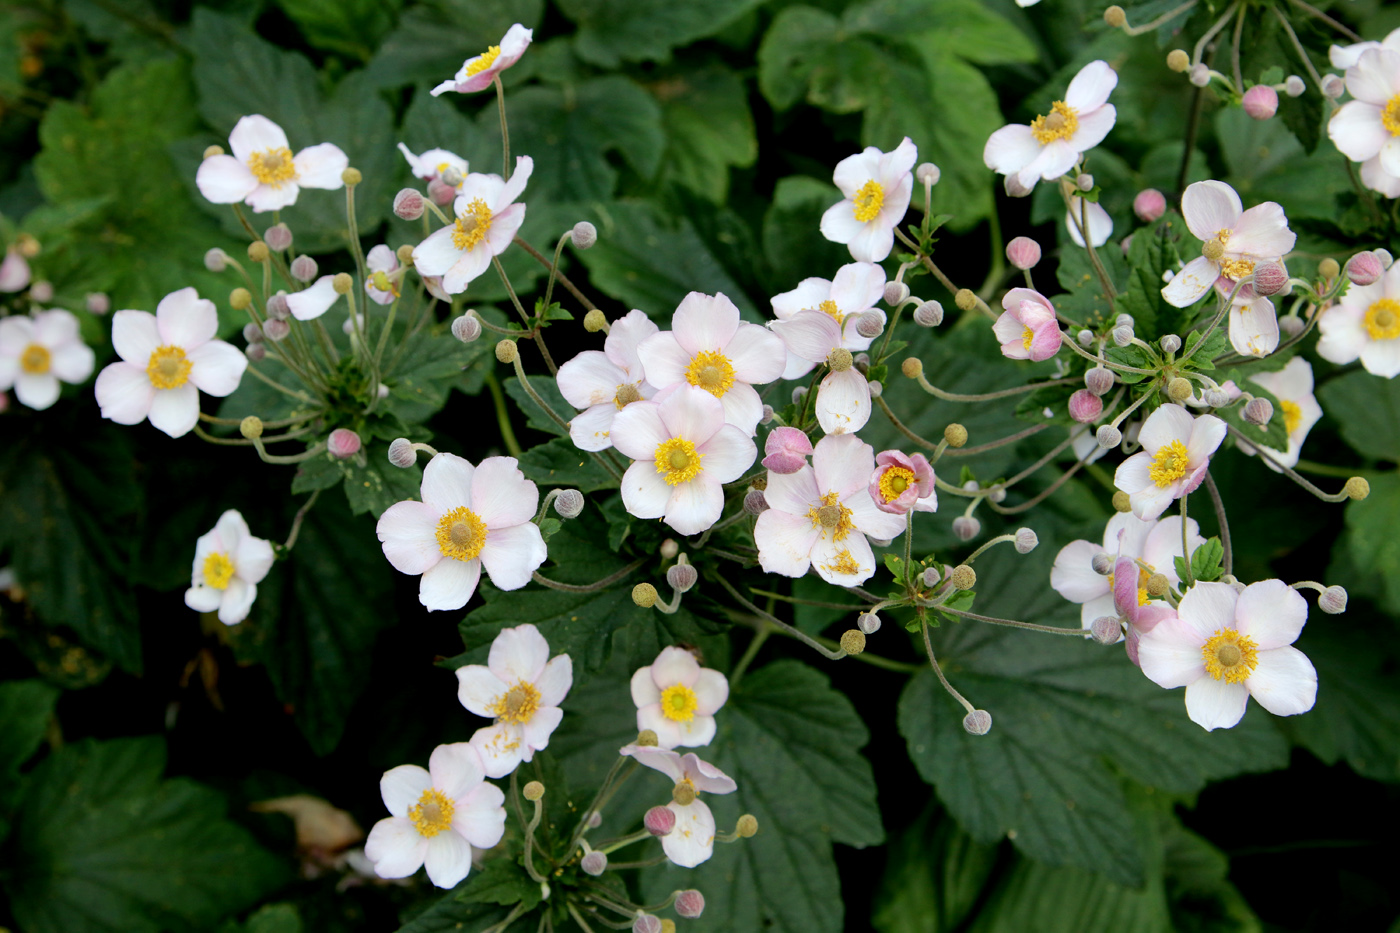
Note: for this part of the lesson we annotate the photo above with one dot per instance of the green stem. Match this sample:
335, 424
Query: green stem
498, 399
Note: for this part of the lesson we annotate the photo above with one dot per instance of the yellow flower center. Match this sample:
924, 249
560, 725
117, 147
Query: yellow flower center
832, 516
868, 201
1169, 465
472, 225
894, 481
273, 166
517, 704
483, 61
679, 460
711, 371
218, 570
1236, 268
1142, 585
1390, 116
1230, 656
461, 534
432, 813
35, 359
1027, 336
1383, 319
830, 308
1292, 415
1060, 123
844, 564
678, 703
168, 368
627, 393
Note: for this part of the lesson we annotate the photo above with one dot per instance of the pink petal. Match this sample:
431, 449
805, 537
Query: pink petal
727, 454
407, 531
756, 355
1262, 231
794, 493
711, 692
691, 413
704, 322
519, 655
663, 360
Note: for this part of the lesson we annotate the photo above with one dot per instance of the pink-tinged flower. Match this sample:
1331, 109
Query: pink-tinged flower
786, 450
1225, 646
436, 817
901, 483
263, 173
708, 347
521, 688
603, 382
1052, 144
1235, 237
684, 455
677, 698
843, 396
381, 259
1368, 128
1175, 455
1346, 56
1365, 325
487, 220
37, 352
1027, 328
1100, 224
167, 359
692, 840
820, 515
314, 300
1293, 387
469, 517
1253, 325
478, 72
876, 187
854, 291
431, 165
229, 563
14, 271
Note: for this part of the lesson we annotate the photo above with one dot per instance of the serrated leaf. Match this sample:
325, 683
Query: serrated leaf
500, 881
709, 129
1153, 252
535, 416
350, 27
449, 915
26, 708
1371, 541
788, 245
1205, 561
560, 463
613, 31
934, 877
1086, 303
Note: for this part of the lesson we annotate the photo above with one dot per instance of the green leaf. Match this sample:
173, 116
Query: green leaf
934, 875
709, 128
1086, 302
1367, 411
560, 463
449, 915
792, 48
101, 843
350, 27
613, 31
1371, 541
500, 881
375, 484
1205, 562
1267, 163
966, 28
792, 252
1152, 253
535, 416
26, 708
273, 918
1272, 435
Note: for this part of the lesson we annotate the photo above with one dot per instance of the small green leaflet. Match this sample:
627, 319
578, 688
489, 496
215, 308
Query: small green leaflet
1205, 562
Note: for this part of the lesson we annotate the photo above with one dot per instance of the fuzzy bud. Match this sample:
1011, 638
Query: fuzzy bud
965, 299
1014, 187
690, 904
1258, 411
928, 314
747, 827
895, 292
1261, 102
533, 791
507, 352
1102, 563
1106, 630
1357, 488
868, 622
351, 176
1291, 325
754, 502
240, 299
682, 577
211, 151
1149, 205
594, 863
1216, 398
216, 260
668, 925
401, 453
1122, 502
1294, 86
767, 416
1122, 336
870, 325
256, 353
646, 923
277, 308
466, 328
1085, 182
342, 282
1270, 278
1124, 320
853, 641
594, 321
798, 394
1157, 585
584, 235
1170, 343
409, 204
955, 434
1199, 75
928, 174
442, 194
839, 360
278, 237
304, 269
1179, 389
1364, 268
1178, 60
251, 427
1085, 407
1085, 338
978, 722
252, 333
965, 527
1108, 437
1026, 540
1115, 17
644, 595
1384, 256
669, 549
964, 577
1333, 86
258, 251
1332, 600
569, 503
276, 330
1023, 253
343, 443
659, 821
683, 793
647, 739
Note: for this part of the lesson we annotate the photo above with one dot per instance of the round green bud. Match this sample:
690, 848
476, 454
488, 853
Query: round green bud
644, 595
1179, 389
240, 299
251, 427
747, 826
351, 176
594, 321
955, 434
507, 351
1122, 502
1329, 268
258, 251
853, 641
533, 791
1357, 488
913, 367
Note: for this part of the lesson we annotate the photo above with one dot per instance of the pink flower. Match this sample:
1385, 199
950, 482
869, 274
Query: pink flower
684, 455
1365, 325
709, 348
692, 840
843, 396
1175, 455
876, 187
487, 220
1051, 145
1238, 238
677, 698
436, 817
607, 381
167, 358
1346, 56
38, 352
854, 291
229, 563
1027, 328
14, 271
521, 688
469, 517
381, 259
263, 173
901, 483
478, 72
787, 450
821, 515
432, 163
1224, 646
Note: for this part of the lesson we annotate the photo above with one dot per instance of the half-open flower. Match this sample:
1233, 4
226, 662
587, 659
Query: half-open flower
38, 352
478, 72
786, 450
432, 163
677, 698
843, 396
1253, 325
229, 563
1027, 328
1051, 145
854, 291
521, 688
487, 220
263, 173
902, 482
692, 840
1175, 455
1365, 325
876, 187
382, 262
1235, 240
603, 382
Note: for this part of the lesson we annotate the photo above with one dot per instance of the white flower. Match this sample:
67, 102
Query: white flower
1214, 214
1346, 56
1175, 455
381, 259
1253, 324
314, 300
854, 291
14, 271
469, 517
432, 163
877, 186
1051, 145
263, 173
1367, 129
229, 563
167, 358
437, 816
821, 515
1225, 646
604, 382
521, 688
843, 396
37, 352
692, 841
478, 72
677, 698
487, 221
1293, 387
1100, 224
1365, 325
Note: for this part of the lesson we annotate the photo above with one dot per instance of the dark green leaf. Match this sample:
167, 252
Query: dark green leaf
1371, 541
535, 416
500, 881
935, 874
613, 31
372, 483
350, 27
432, 40
1086, 302
792, 252
708, 129
1367, 409
1272, 435
793, 46
1153, 251
449, 915
560, 463
274, 918
26, 707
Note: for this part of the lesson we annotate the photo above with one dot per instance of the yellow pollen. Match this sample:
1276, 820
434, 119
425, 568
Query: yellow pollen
679, 460
218, 570
830, 308
1236, 268
472, 225
483, 61
711, 371
517, 704
168, 368
868, 200
844, 564
1230, 656
1390, 116
1292, 415
461, 534
35, 359
432, 813
1027, 337
1169, 465
1383, 319
1061, 122
838, 523
894, 481
273, 166
678, 703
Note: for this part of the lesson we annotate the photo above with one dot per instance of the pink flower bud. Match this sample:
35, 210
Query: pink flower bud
401, 453
965, 527
256, 352
1023, 253
304, 269
1085, 406
1149, 205
870, 325
1291, 325
659, 821
978, 722
787, 450
1026, 540
767, 417
594, 863
1122, 336
97, 303
1364, 268
754, 502
1333, 86
466, 328
278, 237
1099, 380
569, 503
1384, 256
408, 204
1199, 75
441, 194
798, 394
646, 923
1261, 102
928, 314
216, 260
669, 549
1102, 563
1332, 600
690, 904
1293, 86
1269, 278
1107, 630
1258, 411
681, 577
276, 330
1085, 182
343, 443
1170, 343
277, 308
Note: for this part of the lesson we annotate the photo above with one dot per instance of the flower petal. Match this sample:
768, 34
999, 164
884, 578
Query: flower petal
704, 322
501, 748
519, 654
1215, 704
321, 166
692, 841
407, 531
645, 492
124, 393
480, 817
1272, 613
449, 584
501, 495
447, 483
402, 787
695, 505
217, 367
455, 769
511, 554
1284, 682
175, 411
1209, 207
1188, 285
478, 689
222, 179
448, 859
395, 847
784, 542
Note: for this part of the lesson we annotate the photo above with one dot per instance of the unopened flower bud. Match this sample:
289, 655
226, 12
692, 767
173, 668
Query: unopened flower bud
251, 427
868, 622
767, 415
955, 434
913, 367
1170, 343
1258, 411
1364, 268
278, 237
594, 321
594, 863
1269, 278
1108, 437
211, 151
466, 328
1124, 320
277, 307
1333, 86
533, 791
252, 333
1085, 337
351, 176
895, 292
965, 299
1085, 182
1023, 253
256, 352
216, 260
1199, 75
1261, 102
304, 269
1106, 630
928, 174
978, 722
342, 282
683, 793
452, 176
1384, 256
669, 549
569, 503
1102, 563
690, 904
1332, 600
239, 299
97, 303
1291, 325
647, 739
1216, 398
1085, 407
1357, 488
401, 453
646, 923
1122, 336
1178, 60
853, 641
1115, 17
965, 527
1026, 540
506, 351
1294, 86
1122, 502
408, 204
659, 821
870, 325
877, 389
964, 577
1329, 268
343, 443
754, 502
644, 595
584, 235
1179, 389
927, 314
1149, 205
682, 577
747, 827
276, 329
798, 394
442, 194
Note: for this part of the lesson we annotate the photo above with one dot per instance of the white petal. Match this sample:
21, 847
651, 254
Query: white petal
72, 362
175, 411
135, 336
321, 166
727, 454
1209, 207
1262, 231
756, 354
784, 542
255, 133
675, 666
692, 841
843, 464
456, 769
592, 429
704, 322
203, 598
644, 689
1284, 682
518, 655
436, 254
512, 554
501, 748
1254, 328
501, 495
590, 379
37, 390
843, 402
1272, 613
1168, 423
124, 393
237, 601
448, 859
1356, 130
555, 680
645, 492
447, 483
1091, 87
1188, 285
407, 531
402, 787
480, 817
1073, 575
1010, 149
695, 505
711, 692
315, 300
449, 583
478, 689
1207, 608
222, 179
395, 847
794, 493
217, 367
663, 359
266, 198
1214, 704
1170, 654
537, 731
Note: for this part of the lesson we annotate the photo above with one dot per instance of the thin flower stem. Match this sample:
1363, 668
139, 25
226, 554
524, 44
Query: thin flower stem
554, 266
908, 539
814, 603
535, 333
1121, 367
282, 423
1235, 53
1298, 47
544, 406
1044, 494
602, 584
1287, 471
563, 279
1161, 20
573, 911
933, 663
505, 130
1229, 562
386, 330
1315, 12
353, 235
750, 653
1055, 451
1082, 222
948, 487
1000, 442
297, 520
498, 400
1014, 623
511, 917
643, 863
593, 807
1185, 546
783, 626
279, 386
932, 389
999, 539
1225, 305
730, 555
612, 845
899, 426
246, 442
998, 269
291, 458
1211, 33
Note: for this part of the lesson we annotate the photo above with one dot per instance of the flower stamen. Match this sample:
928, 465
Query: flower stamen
432, 813
273, 166
830, 308
832, 516
868, 201
1292, 415
1383, 319
484, 60
1169, 464
218, 570
518, 704
678, 459
168, 368
471, 225
679, 703
1061, 122
35, 359
894, 481
1390, 116
1230, 656
711, 371
461, 534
